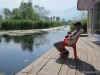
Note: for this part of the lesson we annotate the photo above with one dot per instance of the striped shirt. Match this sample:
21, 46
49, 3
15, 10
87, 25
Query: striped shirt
74, 35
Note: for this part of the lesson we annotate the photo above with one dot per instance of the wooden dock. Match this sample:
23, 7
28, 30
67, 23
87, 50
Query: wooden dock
88, 62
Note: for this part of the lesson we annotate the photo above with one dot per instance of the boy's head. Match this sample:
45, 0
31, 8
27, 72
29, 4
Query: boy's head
77, 24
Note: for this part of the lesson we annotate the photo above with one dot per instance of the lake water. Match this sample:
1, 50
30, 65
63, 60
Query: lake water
18, 52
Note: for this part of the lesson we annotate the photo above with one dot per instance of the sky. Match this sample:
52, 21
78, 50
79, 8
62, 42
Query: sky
48, 4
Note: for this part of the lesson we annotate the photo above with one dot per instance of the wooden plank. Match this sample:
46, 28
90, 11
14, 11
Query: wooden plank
54, 70
55, 55
48, 53
88, 41
64, 68
66, 65
97, 53
80, 63
46, 67
51, 55
31, 74
72, 67
91, 54
84, 56
96, 66
39, 66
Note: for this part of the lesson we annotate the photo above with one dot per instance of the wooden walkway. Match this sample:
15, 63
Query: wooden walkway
88, 62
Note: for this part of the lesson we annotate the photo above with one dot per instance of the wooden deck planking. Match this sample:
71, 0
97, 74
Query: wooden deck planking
48, 53
65, 66
37, 68
82, 58
46, 67
51, 64
96, 66
55, 67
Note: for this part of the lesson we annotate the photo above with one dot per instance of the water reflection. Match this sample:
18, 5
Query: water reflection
41, 40
27, 42
0, 40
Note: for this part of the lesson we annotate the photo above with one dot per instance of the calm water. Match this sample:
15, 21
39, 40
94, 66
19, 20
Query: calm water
18, 52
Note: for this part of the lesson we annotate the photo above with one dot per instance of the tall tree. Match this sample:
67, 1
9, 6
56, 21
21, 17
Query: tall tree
36, 10
41, 11
7, 13
30, 10
57, 18
53, 17
23, 7
16, 13
0, 18
26, 9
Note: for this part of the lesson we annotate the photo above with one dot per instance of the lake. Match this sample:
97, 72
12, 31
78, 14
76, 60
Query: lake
17, 52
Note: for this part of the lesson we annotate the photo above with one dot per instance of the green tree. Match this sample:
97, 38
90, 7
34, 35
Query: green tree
30, 10
7, 13
57, 18
26, 9
53, 17
63, 21
0, 18
36, 10
16, 13
23, 9
42, 12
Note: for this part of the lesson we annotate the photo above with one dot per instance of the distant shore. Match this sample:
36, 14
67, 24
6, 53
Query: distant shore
27, 32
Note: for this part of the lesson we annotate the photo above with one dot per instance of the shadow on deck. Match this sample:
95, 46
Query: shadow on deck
87, 63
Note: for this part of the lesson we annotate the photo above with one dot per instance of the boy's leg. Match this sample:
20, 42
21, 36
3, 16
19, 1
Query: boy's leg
57, 45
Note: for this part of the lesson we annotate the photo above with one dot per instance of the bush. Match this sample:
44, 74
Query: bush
27, 24
71, 27
84, 25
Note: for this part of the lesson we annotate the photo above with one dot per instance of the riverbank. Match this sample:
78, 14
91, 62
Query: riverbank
27, 32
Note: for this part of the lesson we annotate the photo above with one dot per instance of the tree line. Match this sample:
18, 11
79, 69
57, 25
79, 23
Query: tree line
28, 16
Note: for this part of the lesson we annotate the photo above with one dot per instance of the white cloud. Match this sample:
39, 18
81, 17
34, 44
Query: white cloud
48, 4
11, 3
43, 3
43, 0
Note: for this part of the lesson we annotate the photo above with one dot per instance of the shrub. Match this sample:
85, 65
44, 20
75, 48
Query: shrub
84, 25
27, 24
71, 27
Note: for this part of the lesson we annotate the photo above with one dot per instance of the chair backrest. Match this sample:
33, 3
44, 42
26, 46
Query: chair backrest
77, 39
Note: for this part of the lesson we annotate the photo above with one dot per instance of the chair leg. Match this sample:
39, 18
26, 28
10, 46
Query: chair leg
75, 53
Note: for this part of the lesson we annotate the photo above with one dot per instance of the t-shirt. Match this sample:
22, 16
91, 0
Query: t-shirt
74, 35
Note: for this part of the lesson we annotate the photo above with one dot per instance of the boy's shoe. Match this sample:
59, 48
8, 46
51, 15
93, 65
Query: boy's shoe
66, 52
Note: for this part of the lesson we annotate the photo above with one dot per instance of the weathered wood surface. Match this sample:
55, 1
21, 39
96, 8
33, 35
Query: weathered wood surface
87, 63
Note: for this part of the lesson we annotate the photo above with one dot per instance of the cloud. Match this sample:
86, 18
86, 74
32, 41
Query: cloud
43, 3
43, 0
48, 4
11, 3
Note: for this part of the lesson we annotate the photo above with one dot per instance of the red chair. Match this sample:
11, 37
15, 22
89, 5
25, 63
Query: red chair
73, 46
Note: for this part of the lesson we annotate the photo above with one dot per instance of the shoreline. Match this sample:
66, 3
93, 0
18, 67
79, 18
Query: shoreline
27, 32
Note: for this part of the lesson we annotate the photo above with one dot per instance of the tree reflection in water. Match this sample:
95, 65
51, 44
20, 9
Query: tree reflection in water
41, 40
28, 41
0, 40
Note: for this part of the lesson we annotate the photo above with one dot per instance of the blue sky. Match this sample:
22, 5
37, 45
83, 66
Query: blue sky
48, 4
